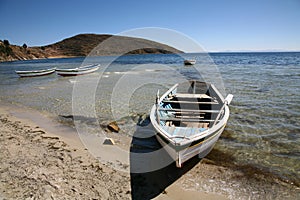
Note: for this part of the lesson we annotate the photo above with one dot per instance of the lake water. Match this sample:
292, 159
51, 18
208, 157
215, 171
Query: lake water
264, 126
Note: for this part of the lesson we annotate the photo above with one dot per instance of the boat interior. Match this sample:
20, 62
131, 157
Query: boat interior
189, 109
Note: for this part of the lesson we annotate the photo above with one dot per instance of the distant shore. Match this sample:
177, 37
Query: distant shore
42, 159
84, 45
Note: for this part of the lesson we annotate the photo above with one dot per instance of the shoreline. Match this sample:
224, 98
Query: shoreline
31, 132
47, 58
85, 56
211, 52
34, 133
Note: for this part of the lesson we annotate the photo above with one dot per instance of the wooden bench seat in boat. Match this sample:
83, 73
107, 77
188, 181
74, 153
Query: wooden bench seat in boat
186, 119
187, 95
178, 110
190, 102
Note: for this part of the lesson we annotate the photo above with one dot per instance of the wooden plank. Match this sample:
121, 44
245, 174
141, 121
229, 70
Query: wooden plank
189, 102
186, 119
188, 113
187, 95
187, 110
189, 116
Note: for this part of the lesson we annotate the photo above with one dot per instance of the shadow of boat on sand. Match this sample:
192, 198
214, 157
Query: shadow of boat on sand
152, 170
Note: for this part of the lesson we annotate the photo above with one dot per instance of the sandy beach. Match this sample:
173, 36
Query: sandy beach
42, 159
40, 165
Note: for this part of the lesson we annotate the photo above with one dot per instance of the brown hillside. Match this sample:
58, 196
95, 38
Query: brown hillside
82, 45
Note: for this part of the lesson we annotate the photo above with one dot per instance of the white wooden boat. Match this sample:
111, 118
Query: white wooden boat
78, 71
189, 118
189, 62
35, 72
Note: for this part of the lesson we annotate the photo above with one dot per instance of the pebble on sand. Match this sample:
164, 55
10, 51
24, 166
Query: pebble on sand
113, 126
109, 141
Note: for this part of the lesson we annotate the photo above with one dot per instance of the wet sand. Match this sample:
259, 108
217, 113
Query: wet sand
42, 159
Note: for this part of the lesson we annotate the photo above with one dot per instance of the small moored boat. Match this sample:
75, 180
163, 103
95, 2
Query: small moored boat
189, 62
189, 118
33, 73
78, 71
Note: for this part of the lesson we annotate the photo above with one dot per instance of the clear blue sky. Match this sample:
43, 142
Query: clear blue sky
217, 25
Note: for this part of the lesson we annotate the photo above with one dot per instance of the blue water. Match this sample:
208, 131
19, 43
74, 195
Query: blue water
264, 125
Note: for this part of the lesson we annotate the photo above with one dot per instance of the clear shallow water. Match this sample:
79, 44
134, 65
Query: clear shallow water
264, 126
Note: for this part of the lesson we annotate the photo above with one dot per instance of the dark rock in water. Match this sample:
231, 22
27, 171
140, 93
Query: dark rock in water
70, 119
113, 126
263, 90
66, 116
66, 119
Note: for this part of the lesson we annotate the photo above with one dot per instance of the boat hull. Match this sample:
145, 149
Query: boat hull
200, 148
76, 72
190, 62
35, 73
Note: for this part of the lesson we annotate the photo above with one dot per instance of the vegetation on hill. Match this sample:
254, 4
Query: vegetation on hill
83, 45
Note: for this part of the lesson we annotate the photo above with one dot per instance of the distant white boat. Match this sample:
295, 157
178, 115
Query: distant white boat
78, 71
189, 62
189, 122
33, 73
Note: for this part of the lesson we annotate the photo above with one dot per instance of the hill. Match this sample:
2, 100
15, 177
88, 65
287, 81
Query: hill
83, 45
